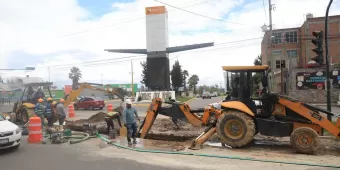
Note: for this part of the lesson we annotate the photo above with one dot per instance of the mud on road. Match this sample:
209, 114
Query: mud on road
164, 134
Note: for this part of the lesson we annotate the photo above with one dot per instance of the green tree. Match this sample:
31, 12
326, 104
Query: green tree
185, 76
193, 81
176, 76
258, 60
144, 80
75, 75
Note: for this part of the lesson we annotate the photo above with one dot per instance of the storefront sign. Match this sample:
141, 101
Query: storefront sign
148, 96
313, 80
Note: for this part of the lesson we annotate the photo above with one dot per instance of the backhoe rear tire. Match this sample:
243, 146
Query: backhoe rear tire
305, 140
235, 128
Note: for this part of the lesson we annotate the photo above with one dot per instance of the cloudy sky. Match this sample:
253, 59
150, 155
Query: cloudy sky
64, 33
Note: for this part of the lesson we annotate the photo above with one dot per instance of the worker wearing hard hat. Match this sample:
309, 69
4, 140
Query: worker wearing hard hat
39, 110
60, 110
49, 114
109, 120
130, 121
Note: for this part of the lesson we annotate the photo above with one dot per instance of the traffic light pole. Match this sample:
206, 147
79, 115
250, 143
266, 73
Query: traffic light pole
329, 107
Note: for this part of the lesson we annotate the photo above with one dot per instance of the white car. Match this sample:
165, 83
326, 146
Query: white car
10, 134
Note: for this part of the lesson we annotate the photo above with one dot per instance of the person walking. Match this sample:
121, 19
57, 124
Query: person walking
61, 112
39, 110
130, 121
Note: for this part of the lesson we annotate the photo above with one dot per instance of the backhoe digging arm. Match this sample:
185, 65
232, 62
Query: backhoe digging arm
312, 114
75, 93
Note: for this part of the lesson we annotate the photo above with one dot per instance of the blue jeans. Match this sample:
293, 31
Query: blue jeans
132, 131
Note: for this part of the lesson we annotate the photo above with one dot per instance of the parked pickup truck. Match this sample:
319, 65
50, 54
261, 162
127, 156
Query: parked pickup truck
89, 103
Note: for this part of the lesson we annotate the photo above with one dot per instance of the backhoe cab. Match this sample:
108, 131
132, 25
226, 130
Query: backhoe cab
24, 107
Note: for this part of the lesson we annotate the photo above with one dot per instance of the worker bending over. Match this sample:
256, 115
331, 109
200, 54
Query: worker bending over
130, 122
60, 112
39, 110
109, 120
49, 113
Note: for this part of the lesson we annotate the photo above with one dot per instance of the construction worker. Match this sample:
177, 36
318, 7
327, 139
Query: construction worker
130, 122
39, 110
109, 120
49, 113
61, 112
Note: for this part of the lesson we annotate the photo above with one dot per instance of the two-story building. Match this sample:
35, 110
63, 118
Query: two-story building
289, 50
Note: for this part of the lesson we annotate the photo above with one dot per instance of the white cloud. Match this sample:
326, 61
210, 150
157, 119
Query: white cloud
60, 33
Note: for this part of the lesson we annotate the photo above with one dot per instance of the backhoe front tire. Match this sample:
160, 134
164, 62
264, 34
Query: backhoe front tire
24, 115
305, 140
235, 128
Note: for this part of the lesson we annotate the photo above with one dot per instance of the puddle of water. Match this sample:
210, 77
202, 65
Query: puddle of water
141, 143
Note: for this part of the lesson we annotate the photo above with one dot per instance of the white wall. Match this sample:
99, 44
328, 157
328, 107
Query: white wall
157, 32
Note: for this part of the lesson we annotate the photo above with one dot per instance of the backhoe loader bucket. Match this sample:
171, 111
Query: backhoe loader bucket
177, 111
150, 117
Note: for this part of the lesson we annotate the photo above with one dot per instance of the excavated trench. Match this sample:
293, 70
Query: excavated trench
162, 129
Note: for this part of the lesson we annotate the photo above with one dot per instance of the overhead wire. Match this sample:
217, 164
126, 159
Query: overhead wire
115, 24
134, 56
204, 16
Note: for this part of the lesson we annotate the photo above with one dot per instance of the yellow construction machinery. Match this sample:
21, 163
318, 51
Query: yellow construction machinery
91, 86
237, 120
24, 108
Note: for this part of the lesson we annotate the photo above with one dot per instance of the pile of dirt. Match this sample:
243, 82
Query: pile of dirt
165, 126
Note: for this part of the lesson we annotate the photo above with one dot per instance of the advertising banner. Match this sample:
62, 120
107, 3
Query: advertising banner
313, 80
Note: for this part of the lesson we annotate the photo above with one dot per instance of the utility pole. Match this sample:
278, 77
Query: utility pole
49, 74
132, 79
329, 107
270, 38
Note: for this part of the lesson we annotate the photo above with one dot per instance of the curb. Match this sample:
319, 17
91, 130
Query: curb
190, 100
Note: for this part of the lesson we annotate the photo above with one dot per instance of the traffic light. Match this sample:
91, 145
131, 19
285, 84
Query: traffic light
319, 49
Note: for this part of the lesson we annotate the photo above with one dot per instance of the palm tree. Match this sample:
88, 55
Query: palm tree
185, 76
74, 75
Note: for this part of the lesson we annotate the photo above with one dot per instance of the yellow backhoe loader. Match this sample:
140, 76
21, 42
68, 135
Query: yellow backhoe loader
92, 86
237, 120
24, 108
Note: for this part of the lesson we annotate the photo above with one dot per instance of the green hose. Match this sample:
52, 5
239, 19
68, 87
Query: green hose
215, 156
86, 136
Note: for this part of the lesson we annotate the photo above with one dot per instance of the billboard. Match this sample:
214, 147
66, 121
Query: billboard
312, 80
126, 87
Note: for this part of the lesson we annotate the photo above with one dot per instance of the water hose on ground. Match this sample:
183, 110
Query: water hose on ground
215, 156
86, 136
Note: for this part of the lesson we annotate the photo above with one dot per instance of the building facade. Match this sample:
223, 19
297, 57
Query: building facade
290, 53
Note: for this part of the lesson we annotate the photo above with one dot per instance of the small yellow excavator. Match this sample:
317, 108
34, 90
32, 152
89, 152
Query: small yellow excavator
237, 120
92, 86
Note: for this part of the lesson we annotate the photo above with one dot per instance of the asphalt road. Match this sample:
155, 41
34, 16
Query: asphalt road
64, 157
201, 103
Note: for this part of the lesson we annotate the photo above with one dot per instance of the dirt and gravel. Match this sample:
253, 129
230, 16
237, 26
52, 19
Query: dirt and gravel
164, 134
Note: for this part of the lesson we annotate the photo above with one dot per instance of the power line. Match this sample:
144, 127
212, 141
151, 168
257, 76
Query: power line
115, 24
204, 16
133, 56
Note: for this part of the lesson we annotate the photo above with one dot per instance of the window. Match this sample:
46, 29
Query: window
277, 38
291, 37
292, 53
283, 63
276, 53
